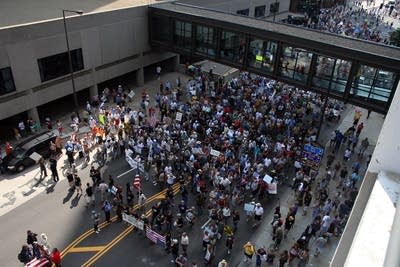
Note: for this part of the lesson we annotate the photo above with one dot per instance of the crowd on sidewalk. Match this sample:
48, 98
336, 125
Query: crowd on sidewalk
354, 21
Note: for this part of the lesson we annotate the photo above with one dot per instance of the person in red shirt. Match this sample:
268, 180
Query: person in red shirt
8, 148
56, 257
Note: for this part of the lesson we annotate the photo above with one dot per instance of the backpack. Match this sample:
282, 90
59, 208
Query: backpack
21, 257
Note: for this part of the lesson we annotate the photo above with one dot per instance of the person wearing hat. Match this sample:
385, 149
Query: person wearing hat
248, 250
223, 263
96, 220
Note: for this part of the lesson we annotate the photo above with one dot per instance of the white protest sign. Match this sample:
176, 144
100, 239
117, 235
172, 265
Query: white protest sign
179, 116
215, 153
273, 188
132, 220
249, 207
267, 179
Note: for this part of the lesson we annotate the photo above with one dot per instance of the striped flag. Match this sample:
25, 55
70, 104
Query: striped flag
155, 237
136, 182
38, 262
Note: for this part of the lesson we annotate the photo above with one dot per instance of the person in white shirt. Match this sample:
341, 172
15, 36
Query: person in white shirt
184, 243
325, 223
258, 213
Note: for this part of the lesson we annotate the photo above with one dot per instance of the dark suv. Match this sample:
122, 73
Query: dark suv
19, 158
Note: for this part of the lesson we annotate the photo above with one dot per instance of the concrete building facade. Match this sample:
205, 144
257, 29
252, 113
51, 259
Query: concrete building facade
111, 44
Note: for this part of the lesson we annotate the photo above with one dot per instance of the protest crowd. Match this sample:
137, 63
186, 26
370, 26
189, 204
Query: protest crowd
225, 148
354, 21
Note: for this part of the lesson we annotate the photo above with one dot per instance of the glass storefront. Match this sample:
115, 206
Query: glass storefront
205, 40
331, 74
373, 83
232, 46
295, 63
183, 35
261, 54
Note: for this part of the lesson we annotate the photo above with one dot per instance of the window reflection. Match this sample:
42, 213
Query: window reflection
6, 81
160, 29
205, 40
232, 46
331, 73
183, 34
373, 83
261, 54
295, 63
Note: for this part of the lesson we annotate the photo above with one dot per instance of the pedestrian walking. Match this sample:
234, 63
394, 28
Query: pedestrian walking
223, 263
107, 210
78, 184
229, 244
53, 169
184, 243
90, 199
55, 257
43, 171
258, 213
96, 221
174, 250
59, 127
248, 250
158, 72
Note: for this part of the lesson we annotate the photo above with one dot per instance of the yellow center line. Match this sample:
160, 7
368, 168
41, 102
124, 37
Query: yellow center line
117, 239
86, 249
159, 195
108, 246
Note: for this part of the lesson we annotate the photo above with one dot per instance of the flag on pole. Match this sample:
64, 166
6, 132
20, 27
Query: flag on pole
155, 237
136, 182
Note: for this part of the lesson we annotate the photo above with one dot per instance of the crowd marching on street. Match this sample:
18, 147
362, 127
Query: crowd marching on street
216, 141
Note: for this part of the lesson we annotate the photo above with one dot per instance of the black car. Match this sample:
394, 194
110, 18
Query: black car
19, 158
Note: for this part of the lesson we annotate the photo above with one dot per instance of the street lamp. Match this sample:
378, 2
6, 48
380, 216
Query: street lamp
71, 71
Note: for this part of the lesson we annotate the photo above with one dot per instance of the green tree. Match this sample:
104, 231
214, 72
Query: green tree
395, 37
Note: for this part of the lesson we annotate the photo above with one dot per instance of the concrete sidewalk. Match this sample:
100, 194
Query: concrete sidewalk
18, 188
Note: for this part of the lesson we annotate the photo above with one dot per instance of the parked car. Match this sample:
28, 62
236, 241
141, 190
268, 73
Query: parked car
19, 158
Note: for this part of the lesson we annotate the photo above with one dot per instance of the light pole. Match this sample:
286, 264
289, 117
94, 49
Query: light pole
71, 71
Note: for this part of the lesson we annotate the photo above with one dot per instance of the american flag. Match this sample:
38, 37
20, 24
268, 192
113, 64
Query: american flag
37, 262
155, 237
136, 182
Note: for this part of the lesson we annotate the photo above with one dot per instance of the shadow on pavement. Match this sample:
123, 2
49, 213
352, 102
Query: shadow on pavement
68, 196
75, 201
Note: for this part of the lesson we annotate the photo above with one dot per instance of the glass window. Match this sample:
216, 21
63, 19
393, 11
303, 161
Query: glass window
259, 11
205, 40
261, 54
183, 34
340, 75
232, 46
56, 66
331, 73
244, 12
6, 81
295, 63
373, 83
161, 30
